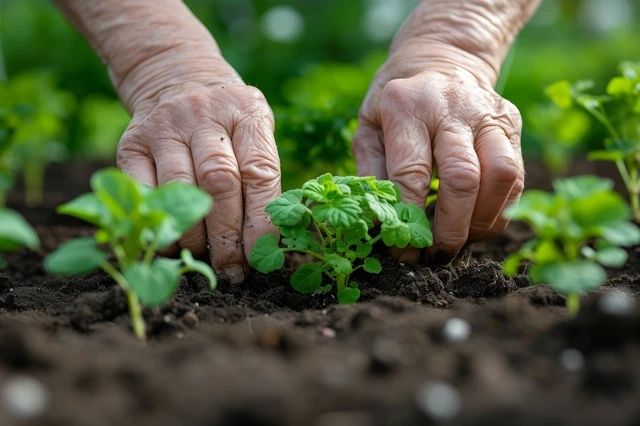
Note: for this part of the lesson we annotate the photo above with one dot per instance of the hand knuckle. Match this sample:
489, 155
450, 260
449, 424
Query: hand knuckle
221, 179
503, 169
461, 175
395, 95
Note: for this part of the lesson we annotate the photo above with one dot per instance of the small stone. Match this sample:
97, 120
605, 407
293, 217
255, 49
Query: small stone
190, 319
572, 359
25, 398
411, 274
11, 289
197, 305
167, 319
439, 400
617, 302
328, 332
180, 335
456, 330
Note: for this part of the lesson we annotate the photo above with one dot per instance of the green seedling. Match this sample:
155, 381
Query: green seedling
618, 110
32, 125
15, 232
578, 229
333, 220
134, 222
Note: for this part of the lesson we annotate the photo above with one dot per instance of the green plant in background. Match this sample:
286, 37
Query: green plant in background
333, 220
618, 110
317, 124
32, 119
578, 228
15, 232
134, 222
559, 133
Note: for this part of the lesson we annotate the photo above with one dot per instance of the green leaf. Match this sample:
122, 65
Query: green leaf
620, 86
193, 265
307, 278
560, 93
182, 202
419, 227
612, 257
348, 295
606, 155
546, 252
511, 264
15, 231
363, 250
395, 234
313, 190
383, 211
569, 277
621, 233
266, 255
286, 210
75, 257
580, 186
118, 192
86, 207
372, 265
341, 212
298, 238
154, 283
599, 209
339, 264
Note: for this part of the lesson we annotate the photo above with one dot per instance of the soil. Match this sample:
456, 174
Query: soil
261, 354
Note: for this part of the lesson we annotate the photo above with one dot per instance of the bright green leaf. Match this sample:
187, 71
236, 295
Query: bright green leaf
118, 192
154, 283
307, 278
621, 233
339, 264
348, 295
569, 277
193, 265
372, 265
86, 207
184, 203
286, 210
395, 234
341, 212
560, 93
266, 255
612, 257
15, 231
419, 227
75, 257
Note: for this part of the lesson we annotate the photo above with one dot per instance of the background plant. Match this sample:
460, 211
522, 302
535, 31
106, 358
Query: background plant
618, 110
134, 222
578, 229
333, 220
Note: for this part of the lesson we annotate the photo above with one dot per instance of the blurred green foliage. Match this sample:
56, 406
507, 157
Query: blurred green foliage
311, 60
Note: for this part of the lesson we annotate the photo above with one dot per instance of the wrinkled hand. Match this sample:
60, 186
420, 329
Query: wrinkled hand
217, 135
443, 114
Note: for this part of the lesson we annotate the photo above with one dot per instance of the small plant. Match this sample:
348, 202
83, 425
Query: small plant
619, 112
333, 220
134, 222
580, 227
15, 232
32, 124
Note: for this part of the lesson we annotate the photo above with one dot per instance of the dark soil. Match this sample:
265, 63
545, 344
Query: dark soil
261, 354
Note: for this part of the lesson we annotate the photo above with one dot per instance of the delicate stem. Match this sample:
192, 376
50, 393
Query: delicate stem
135, 310
341, 282
34, 182
309, 252
573, 304
624, 173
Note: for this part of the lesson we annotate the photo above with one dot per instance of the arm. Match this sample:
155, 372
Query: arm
432, 105
193, 120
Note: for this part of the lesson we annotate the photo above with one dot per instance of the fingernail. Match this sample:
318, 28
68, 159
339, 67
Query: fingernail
235, 273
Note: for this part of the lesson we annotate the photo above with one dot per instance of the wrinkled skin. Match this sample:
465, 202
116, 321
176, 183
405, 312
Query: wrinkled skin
219, 137
447, 118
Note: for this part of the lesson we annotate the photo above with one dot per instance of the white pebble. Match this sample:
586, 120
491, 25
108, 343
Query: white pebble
616, 302
440, 400
24, 398
456, 330
572, 359
411, 274
167, 318
328, 332
197, 305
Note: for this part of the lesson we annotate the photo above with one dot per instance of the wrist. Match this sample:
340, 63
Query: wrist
469, 35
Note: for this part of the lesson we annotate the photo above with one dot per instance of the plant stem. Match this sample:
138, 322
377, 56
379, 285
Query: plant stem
135, 310
341, 282
573, 304
33, 181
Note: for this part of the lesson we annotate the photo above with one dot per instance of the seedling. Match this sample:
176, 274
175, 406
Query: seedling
15, 232
134, 222
333, 220
619, 112
578, 229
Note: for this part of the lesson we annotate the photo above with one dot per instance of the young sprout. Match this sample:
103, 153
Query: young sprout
333, 220
134, 222
578, 228
619, 112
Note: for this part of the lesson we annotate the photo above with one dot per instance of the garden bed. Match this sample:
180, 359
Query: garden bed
261, 354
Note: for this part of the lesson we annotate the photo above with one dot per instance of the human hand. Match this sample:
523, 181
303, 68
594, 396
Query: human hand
443, 115
211, 130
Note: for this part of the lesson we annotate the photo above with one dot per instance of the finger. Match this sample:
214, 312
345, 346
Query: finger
134, 158
500, 172
259, 164
218, 174
369, 151
408, 162
174, 164
459, 172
